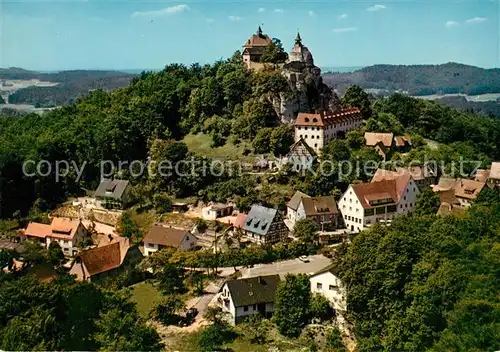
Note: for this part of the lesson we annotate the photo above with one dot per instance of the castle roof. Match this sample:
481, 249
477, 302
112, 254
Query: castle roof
258, 40
327, 118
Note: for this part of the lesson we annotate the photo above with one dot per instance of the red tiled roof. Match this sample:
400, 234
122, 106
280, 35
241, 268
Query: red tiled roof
469, 189
482, 175
326, 118
240, 220
35, 229
60, 228
101, 259
256, 40
462, 188
400, 140
418, 173
383, 190
63, 228
319, 205
372, 139
401, 177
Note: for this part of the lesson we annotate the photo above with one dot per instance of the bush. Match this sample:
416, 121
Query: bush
216, 335
162, 203
167, 310
320, 308
334, 341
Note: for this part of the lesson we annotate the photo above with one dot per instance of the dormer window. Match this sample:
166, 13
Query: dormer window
315, 120
469, 191
306, 119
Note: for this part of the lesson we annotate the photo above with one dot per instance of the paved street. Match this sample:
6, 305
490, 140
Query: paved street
293, 266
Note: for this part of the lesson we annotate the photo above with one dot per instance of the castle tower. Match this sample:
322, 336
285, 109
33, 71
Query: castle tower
300, 55
298, 39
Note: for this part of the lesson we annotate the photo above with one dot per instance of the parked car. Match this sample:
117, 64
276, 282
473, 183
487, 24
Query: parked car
191, 313
304, 258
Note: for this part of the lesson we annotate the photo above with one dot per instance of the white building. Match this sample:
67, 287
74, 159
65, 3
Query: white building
64, 231
216, 211
162, 236
318, 129
327, 283
244, 297
389, 194
293, 205
322, 210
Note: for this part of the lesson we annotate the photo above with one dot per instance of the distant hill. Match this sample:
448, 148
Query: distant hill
450, 78
490, 108
70, 85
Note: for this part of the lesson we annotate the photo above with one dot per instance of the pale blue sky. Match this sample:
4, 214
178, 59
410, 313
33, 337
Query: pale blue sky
135, 34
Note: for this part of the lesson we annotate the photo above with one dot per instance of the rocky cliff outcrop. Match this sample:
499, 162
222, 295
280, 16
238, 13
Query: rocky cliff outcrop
307, 92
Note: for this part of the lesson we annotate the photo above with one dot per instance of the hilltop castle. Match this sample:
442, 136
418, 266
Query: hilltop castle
307, 93
254, 49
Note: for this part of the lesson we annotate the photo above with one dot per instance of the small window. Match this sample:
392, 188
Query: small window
315, 145
187, 238
254, 307
319, 286
245, 308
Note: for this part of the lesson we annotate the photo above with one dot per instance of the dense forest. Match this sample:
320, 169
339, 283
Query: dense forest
450, 78
428, 283
66, 315
139, 121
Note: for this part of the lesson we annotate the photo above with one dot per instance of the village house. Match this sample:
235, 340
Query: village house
254, 48
244, 297
162, 236
301, 155
114, 194
107, 260
327, 283
387, 195
216, 211
494, 176
457, 193
320, 128
423, 175
490, 176
66, 232
386, 143
322, 210
264, 225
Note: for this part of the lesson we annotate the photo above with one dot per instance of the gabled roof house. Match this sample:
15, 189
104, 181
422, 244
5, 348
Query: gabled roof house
244, 297
264, 225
